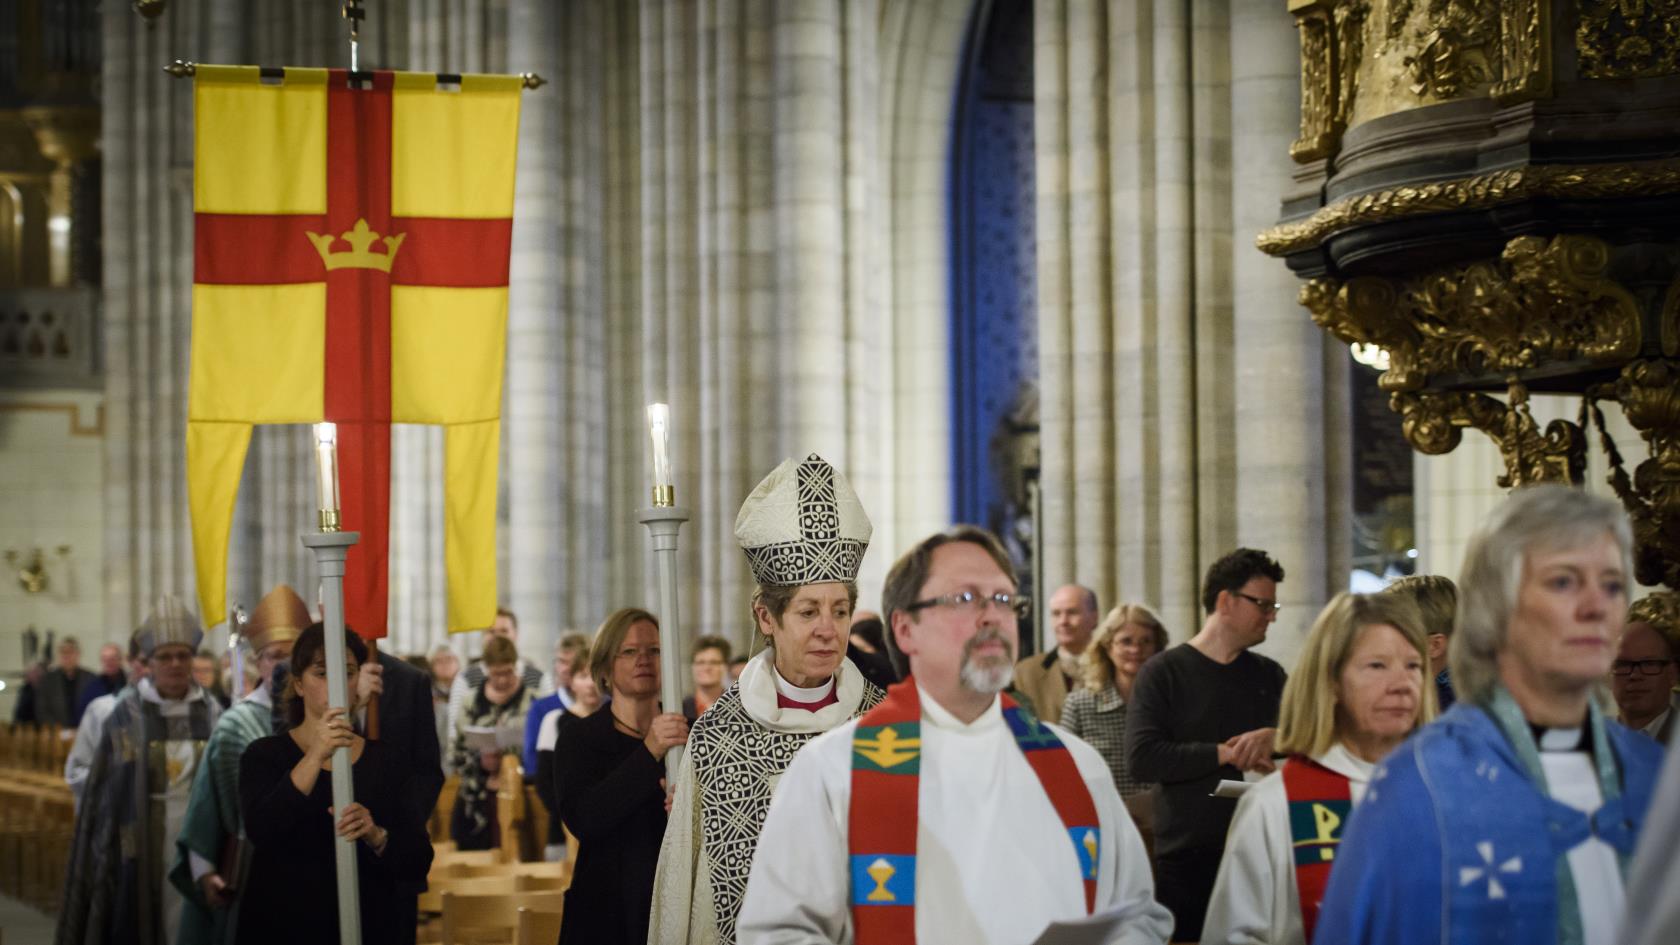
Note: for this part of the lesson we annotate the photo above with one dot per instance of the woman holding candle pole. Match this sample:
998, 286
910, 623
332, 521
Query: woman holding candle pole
285, 800
804, 533
611, 786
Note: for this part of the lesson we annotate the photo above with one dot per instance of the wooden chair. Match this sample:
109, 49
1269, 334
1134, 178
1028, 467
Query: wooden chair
468, 920
536, 928
436, 886
470, 856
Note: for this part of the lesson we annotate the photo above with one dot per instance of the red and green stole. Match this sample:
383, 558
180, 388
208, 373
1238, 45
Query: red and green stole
1319, 804
886, 778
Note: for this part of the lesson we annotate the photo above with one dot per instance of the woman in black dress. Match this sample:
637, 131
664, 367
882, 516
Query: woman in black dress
612, 796
285, 795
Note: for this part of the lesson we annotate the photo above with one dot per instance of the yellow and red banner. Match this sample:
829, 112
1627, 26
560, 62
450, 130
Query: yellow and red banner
351, 243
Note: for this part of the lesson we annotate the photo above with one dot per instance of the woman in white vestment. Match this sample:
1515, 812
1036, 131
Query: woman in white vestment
804, 533
1356, 693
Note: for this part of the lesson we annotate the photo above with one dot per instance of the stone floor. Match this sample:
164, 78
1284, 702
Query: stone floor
22, 925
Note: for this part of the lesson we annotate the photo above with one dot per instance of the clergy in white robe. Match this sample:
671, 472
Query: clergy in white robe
992, 861
804, 533
1358, 690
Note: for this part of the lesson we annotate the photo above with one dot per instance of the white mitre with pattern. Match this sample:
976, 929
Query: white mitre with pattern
803, 525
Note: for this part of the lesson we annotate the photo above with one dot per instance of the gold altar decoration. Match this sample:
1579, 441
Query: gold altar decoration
1649, 391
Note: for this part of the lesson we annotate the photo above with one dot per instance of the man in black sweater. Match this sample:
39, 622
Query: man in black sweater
1203, 712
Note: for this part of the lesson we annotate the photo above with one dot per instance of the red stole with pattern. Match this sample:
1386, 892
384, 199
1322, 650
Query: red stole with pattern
886, 781
1319, 803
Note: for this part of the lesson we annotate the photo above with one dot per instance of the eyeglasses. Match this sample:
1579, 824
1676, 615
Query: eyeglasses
1645, 667
1266, 606
969, 602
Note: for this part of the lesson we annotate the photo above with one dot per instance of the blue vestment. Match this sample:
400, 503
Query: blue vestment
1458, 842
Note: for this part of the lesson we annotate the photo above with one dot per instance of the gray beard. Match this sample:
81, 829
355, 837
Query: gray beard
987, 680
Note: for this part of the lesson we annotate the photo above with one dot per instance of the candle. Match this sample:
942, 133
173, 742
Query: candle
326, 479
659, 428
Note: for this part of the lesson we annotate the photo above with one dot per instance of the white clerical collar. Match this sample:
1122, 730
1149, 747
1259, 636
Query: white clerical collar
1345, 763
149, 693
807, 696
939, 717
260, 696
1653, 728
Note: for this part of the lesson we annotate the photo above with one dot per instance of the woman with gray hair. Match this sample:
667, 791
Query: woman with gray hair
1513, 816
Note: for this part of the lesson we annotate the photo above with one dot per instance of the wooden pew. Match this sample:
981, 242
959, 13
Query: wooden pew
469, 920
536, 928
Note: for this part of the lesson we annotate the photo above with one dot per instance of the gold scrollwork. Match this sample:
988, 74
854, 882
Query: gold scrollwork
1319, 128
1431, 422
1649, 392
1561, 181
1525, 51
1670, 320
1452, 48
1541, 301
1628, 39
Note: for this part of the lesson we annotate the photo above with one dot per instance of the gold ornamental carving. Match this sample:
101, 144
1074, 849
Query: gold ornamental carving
1432, 422
1319, 128
1450, 49
1525, 51
1541, 302
1649, 392
1628, 39
1562, 181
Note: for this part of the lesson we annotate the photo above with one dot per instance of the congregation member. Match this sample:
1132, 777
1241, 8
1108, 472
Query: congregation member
804, 533
566, 655
467, 681
1646, 670
1200, 713
1512, 816
207, 876
1046, 679
610, 771
708, 667
58, 696
1096, 711
867, 649
500, 701
967, 818
1357, 691
108, 681
1436, 598
135, 795
586, 700
207, 678
445, 665
86, 743
285, 803
737, 663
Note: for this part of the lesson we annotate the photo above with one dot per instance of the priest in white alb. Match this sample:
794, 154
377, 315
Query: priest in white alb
804, 533
948, 813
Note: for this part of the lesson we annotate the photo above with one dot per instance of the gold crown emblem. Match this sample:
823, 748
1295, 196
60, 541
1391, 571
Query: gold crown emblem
360, 239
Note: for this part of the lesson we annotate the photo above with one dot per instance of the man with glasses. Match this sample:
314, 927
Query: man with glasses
948, 812
1201, 713
1645, 672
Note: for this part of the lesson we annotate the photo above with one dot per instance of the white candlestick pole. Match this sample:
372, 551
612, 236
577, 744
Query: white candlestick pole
331, 546
664, 520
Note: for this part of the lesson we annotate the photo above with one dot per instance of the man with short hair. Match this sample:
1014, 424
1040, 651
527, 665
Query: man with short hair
468, 680
212, 852
1645, 673
948, 812
136, 794
1047, 678
1436, 597
59, 695
109, 680
1203, 712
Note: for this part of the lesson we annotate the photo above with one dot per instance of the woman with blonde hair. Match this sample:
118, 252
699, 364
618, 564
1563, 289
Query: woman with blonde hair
1357, 692
1127, 637
611, 786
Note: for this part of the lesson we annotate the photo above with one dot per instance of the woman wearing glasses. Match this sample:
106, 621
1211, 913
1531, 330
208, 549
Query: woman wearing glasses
1096, 711
804, 533
1513, 816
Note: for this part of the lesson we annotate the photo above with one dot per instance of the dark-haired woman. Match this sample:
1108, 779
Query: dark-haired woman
285, 796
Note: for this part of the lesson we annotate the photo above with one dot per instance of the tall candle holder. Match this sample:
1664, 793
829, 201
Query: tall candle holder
331, 547
664, 520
